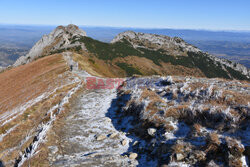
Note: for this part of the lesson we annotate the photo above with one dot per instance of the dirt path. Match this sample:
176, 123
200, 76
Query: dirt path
86, 122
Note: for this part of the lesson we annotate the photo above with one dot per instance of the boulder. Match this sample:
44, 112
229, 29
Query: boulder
124, 142
113, 135
151, 131
101, 137
133, 156
179, 157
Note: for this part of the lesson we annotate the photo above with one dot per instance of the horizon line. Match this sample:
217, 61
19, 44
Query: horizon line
116, 27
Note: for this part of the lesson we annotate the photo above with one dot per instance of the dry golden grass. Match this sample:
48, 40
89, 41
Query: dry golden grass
21, 84
26, 126
181, 147
155, 101
178, 148
168, 127
97, 67
197, 129
234, 147
147, 67
151, 95
197, 85
177, 112
235, 163
53, 136
169, 69
25, 83
214, 138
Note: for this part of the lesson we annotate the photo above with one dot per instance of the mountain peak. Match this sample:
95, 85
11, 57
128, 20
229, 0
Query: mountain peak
70, 29
174, 46
59, 38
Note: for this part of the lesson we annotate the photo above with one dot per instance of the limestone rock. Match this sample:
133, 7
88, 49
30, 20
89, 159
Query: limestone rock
155, 42
133, 156
113, 135
124, 142
60, 38
2, 69
179, 157
101, 137
151, 131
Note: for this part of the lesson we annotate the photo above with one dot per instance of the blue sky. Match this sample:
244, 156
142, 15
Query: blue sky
187, 14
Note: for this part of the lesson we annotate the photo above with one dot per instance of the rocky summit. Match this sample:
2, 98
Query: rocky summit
175, 46
57, 39
141, 100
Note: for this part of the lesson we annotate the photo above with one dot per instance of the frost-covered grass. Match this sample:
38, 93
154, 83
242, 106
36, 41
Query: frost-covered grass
197, 120
43, 128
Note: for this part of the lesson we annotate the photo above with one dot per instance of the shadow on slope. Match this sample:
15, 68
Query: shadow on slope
1, 164
150, 151
191, 138
130, 125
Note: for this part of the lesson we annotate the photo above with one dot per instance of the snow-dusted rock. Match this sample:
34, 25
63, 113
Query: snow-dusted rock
57, 39
179, 157
151, 131
101, 137
133, 156
124, 142
1, 69
113, 135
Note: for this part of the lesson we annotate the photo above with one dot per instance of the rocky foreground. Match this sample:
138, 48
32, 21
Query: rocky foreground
183, 121
157, 121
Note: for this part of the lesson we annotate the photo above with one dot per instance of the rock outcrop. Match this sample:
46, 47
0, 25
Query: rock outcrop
60, 38
176, 47
1, 69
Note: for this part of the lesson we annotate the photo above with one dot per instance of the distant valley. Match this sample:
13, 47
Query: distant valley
234, 51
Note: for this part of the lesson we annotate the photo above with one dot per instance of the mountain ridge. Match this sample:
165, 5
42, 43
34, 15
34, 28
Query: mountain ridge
162, 42
157, 48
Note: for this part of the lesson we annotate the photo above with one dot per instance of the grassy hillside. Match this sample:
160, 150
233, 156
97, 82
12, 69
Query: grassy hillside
120, 50
27, 93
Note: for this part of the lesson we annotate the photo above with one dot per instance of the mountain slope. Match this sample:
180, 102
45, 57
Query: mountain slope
29, 94
210, 65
